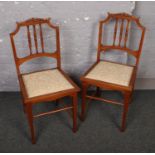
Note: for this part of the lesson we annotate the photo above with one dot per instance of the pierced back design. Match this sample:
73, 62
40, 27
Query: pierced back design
35, 34
120, 37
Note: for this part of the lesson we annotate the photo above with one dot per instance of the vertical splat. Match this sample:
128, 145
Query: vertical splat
41, 37
35, 38
29, 39
126, 33
99, 40
121, 32
115, 31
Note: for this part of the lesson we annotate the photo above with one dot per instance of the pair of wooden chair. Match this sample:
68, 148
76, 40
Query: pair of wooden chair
53, 84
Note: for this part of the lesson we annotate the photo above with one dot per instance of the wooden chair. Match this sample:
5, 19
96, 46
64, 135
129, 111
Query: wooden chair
111, 75
44, 85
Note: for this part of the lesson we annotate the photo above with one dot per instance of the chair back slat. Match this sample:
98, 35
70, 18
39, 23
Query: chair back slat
41, 38
35, 38
126, 33
29, 39
115, 32
121, 32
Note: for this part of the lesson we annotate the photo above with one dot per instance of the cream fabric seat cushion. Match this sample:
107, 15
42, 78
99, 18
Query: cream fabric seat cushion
45, 82
111, 72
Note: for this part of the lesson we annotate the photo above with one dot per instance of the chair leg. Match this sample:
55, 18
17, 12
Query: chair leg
75, 113
30, 121
83, 108
24, 105
98, 91
131, 97
57, 102
127, 96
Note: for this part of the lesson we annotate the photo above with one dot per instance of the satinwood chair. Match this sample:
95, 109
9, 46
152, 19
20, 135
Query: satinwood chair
45, 85
112, 75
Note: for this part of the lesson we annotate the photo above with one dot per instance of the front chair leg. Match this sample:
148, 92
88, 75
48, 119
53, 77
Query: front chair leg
30, 121
127, 96
83, 108
75, 112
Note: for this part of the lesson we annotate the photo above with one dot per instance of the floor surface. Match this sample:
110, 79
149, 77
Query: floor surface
98, 133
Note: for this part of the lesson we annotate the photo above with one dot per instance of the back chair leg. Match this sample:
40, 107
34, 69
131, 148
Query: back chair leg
131, 97
30, 121
57, 102
83, 108
24, 105
75, 112
127, 96
98, 91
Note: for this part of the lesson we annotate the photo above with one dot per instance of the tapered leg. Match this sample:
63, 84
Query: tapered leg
30, 120
125, 109
83, 108
75, 113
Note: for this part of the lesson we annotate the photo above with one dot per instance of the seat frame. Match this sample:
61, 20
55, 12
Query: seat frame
28, 102
127, 91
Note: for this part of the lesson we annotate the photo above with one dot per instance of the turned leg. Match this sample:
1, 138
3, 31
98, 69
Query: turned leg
75, 101
127, 96
30, 121
83, 108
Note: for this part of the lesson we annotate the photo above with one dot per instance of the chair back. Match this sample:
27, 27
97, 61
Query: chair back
38, 41
121, 34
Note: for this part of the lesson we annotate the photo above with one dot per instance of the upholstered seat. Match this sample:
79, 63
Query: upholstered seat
45, 82
111, 73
